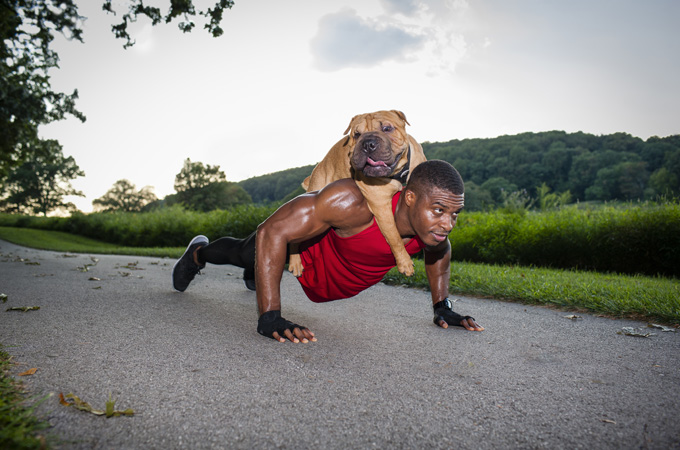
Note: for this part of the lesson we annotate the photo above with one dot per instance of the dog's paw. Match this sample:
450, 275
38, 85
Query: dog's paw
295, 266
406, 268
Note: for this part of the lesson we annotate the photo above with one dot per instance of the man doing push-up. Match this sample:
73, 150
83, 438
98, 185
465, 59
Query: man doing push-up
342, 249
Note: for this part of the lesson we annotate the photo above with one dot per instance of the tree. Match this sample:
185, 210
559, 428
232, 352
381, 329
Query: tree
196, 175
220, 195
497, 186
40, 183
205, 188
550, 200
178, 8
476, 198
664, 182
27, 29
124, 196
624, 181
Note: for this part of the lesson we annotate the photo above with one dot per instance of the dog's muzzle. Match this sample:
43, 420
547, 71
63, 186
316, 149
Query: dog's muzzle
373, 156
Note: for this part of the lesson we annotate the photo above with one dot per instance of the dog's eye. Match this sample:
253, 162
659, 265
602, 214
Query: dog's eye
356, 134
387, 128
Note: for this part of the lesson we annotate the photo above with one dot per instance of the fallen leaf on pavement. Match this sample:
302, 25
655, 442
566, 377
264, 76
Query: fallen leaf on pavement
630, 331
608, 421
573, 317
74, 401
111, 412
29, 372
661, 327
24, 308
130, 266
3, 298
94, 279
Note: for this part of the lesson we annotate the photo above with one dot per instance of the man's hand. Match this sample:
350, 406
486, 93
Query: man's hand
272, 325
445, 316
467, 323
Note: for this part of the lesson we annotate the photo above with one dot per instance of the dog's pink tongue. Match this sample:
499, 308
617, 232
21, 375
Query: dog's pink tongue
375, 163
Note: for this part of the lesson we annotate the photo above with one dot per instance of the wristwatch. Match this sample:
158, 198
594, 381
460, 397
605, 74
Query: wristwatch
446, 303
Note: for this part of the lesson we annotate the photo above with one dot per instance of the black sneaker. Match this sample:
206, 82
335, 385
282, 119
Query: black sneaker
250, 284
249, 278
185, 269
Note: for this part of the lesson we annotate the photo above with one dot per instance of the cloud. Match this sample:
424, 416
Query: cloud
428, 32
346, 40
405, 7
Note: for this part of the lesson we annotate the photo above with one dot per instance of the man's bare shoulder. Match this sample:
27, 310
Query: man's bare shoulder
343, 205
345, 188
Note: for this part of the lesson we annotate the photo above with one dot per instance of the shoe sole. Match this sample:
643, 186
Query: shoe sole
196, 239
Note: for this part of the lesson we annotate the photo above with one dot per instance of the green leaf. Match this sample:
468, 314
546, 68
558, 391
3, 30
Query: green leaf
24, 308
110, 411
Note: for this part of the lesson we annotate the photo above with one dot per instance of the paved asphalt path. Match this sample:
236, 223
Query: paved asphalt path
381, 375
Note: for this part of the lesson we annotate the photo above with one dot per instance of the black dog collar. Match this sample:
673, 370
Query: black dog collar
402, 175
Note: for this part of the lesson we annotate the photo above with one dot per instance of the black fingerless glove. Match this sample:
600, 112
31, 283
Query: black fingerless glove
271, 322
443, 311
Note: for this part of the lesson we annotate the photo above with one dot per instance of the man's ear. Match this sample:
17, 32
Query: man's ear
409, 197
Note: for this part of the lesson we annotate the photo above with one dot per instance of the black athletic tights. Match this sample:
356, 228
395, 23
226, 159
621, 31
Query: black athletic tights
228, 250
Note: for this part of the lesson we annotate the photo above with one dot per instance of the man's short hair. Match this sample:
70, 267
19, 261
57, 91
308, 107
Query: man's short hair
435, 173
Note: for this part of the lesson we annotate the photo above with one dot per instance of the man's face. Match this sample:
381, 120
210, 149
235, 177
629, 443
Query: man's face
433, 214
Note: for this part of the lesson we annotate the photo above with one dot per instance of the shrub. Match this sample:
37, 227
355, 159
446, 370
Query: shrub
633, 238
630, 239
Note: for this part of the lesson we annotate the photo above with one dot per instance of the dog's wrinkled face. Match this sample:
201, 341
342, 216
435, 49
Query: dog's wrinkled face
378, 143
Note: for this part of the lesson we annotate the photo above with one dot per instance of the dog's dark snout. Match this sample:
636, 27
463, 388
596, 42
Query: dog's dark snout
370, 145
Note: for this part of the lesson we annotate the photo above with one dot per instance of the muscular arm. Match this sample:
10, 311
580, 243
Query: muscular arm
438, 270
339, 205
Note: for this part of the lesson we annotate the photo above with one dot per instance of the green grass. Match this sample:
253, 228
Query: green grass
66, 242
630, 296
640, 297
19, 427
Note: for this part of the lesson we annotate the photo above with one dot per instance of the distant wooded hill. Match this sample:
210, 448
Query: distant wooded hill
601, 168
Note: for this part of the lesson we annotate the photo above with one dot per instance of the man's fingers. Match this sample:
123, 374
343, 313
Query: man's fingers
291, 337
278, 337
296, 336
308, 335
471, 325
300, 335
443, 324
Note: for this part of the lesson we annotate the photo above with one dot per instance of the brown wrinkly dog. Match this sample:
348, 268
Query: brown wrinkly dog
379, 155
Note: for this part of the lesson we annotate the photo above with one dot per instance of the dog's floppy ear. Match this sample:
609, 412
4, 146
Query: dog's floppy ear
401, 115
349, 127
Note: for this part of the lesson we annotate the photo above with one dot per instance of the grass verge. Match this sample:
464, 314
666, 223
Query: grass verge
630, 296
66, 242
639, 297
19, 427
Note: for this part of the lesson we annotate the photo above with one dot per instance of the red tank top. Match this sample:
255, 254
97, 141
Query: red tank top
341, 267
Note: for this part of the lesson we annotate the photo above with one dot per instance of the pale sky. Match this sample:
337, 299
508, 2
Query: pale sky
278, 89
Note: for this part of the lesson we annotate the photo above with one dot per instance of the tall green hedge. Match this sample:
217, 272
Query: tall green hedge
632, 239
165, 227
642, 239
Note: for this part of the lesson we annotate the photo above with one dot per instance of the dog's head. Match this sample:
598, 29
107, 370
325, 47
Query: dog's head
378, 143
